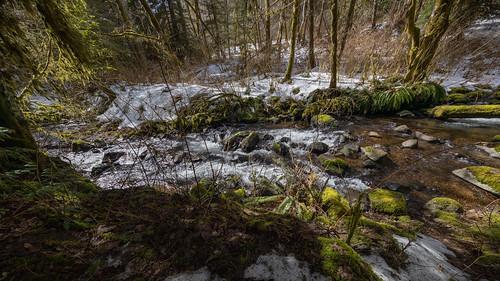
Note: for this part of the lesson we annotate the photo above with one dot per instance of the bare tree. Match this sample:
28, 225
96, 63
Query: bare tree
333, 43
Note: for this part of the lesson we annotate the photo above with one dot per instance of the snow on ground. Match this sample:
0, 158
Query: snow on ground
427, 260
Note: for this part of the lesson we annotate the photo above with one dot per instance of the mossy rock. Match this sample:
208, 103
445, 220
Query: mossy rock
281, 149
457, 99
323, 120
487, 175
387, 201
489, 260
250, 142
466, 111
334, 202
496, 138
335, 166
459, 90
341, 262
444, 204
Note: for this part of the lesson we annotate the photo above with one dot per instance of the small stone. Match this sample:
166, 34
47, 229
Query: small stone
406, 113
318, 147
374, 135
402, 129
427, 138
413, 143
372, 153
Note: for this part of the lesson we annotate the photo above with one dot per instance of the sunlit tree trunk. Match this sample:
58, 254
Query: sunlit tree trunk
295, 19
422, 50
311, 60
333, 43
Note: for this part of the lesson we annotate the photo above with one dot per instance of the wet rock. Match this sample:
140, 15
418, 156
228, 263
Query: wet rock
285, 139
318, 147
334, 166
349, 149
493, 152
373, 153
233, 142
427, 138
240, 158
249, 143
81, 146
406, 113
374, 135
323, 120
496, 138
369, 164
402, 129
267, 137
281, 149
413, 143
179, 157
484, 177
112, 157
100, 168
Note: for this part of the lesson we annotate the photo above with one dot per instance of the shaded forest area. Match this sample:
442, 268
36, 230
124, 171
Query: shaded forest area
249, 140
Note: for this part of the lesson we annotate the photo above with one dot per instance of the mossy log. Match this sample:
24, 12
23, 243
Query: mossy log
466, 111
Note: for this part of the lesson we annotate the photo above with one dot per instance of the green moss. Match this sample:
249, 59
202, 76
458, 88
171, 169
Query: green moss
459, 90
334, 203
444, 204
496, 138
489, 260
457, 98
487, 175
448, 218
497, 148
335, 166
341, 262
466, 111
323, 120
386, 201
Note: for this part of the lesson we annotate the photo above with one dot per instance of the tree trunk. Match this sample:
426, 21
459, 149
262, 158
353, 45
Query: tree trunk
374, 14
124, 13
333, 43
347, 28
154, 21
320, 24
423, 49
268, 29
311, 60
295, 19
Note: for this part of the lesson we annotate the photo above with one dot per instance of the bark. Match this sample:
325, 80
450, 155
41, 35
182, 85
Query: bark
152, 19
291, 61
311, 60
333, 43
374, 14
124, 13
347, 28
268, 28
423, 49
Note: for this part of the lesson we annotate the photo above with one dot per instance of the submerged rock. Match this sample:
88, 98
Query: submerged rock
318, 147
402, 129
372, 153
406, 113
413, 143
427, 138
374, 135
249, 143
484, 177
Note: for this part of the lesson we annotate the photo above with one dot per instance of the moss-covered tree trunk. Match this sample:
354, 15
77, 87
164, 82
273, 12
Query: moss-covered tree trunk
333, 43
268, 29
422, 50
291, 61
12, 119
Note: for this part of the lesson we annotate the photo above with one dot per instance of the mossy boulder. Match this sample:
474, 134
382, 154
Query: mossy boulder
496, 138
487, 175
249, 143
387, 201
233, 142
373, 153
466, 111
323, 120
334, 166
444, 204
341, 262
335, 204
281, 149
457, 99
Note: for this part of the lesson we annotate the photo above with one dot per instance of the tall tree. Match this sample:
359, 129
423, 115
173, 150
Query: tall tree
347, 27
268, 28
291, 61
422, 49
334, 9
374, 13
311, 60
